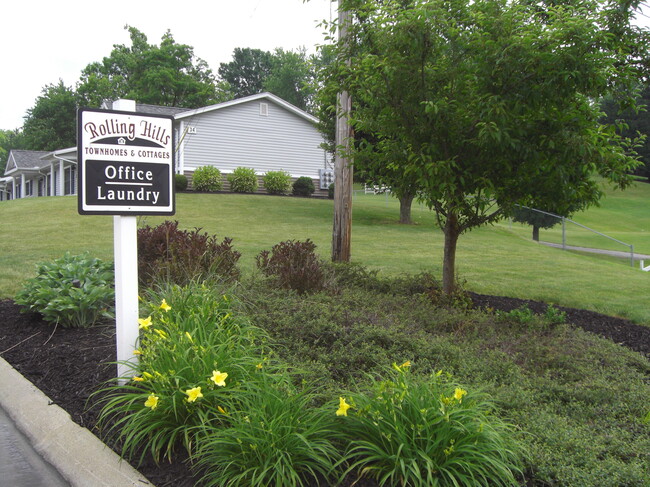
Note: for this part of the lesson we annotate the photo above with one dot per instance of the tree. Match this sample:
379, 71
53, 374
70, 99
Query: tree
50, 123
490, 101
167, 75
9, 140
631, 123
247, 71
291, 78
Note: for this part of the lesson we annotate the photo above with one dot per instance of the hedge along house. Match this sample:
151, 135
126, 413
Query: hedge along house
262, 132
39, 173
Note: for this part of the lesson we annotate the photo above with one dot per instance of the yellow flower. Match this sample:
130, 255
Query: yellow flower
259, 366
222, 410
193, 394
161, 333
459, 393
137, 352
189, 337
145, 323
164, 306
219, 378
406, 364
343, 407
151, 402
138, 379
147, 375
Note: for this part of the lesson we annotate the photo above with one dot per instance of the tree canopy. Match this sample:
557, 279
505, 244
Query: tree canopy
167, 75
486, 104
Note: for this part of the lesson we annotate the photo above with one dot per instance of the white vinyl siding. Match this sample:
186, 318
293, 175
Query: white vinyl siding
240, 136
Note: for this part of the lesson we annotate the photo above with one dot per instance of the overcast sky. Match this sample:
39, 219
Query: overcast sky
44, 41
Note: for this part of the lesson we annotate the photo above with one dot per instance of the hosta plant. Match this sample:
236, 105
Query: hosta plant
74, 291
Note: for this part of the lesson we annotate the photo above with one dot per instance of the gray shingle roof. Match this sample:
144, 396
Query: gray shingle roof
158, 110
28, 159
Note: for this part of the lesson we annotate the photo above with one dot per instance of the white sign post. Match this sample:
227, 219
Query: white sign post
125, 163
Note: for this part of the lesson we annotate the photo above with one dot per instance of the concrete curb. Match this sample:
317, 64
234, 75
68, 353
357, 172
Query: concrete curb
79, 456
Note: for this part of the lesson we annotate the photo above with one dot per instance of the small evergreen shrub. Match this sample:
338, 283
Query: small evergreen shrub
167, 254
330, 191
277, 182
207, 178
180, 182
294, 264
75, 291
243, 180
303, 186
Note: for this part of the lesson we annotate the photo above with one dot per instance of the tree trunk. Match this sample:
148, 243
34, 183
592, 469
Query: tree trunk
452, 232
535, 233
405, 209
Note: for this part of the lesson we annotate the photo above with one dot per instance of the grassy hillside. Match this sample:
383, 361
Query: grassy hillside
492, 260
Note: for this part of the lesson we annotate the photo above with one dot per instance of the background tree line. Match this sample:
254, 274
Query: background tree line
168, 74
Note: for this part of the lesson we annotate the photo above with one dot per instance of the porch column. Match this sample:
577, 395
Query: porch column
52, 182
22, 186
13, 188
61, 179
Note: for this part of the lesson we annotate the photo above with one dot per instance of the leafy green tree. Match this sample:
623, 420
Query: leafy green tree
490, 101
632, 122
247, 71
50, 123
9, 140
292, 78
167, 75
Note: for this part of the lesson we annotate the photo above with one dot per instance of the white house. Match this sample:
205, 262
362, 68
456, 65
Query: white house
262, 132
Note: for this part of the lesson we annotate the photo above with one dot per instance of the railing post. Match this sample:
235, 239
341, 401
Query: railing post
563, 233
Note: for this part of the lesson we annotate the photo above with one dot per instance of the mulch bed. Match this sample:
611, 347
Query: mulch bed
68, 365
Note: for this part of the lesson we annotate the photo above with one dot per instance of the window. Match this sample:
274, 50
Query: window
264, 109
28, 188
70, 180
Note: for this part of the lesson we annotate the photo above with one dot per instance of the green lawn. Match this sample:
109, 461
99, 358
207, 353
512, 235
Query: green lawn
494, 260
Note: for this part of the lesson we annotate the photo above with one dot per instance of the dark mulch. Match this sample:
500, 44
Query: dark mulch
68, 365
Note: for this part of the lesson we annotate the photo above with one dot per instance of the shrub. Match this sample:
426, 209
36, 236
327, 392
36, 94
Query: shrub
74, 291
243, 180
180, 182
330, 191
167, 254
294, 264
195, 355
277, 182
303, 186
423, 432
278, 437
207, 178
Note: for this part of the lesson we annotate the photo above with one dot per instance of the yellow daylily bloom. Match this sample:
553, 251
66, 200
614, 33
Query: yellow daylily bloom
459, 393
259, 366
137, 379
145, 323
343, 407
219, 378
147, 375
406, 364
137, 352
161, 333
189, 337
151, 402
222, 410
193, 394
164, 306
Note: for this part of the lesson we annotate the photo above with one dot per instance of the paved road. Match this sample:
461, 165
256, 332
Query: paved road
20, 465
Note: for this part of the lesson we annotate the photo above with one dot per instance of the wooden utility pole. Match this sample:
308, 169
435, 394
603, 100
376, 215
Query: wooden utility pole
341, 234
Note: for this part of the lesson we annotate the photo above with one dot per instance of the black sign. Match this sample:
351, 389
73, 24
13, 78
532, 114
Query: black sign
125, 163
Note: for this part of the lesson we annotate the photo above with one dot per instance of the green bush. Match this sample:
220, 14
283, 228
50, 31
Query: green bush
167, 254
294, 264
278, 437
195, 355
243, 180
180, 182
277, 182
74, 291
423, 432
207, 178
303, 186
330, 191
